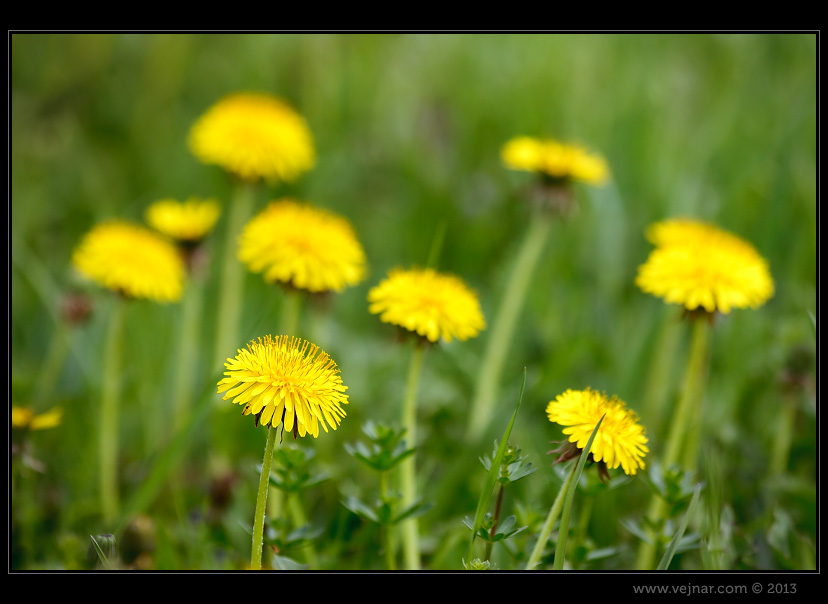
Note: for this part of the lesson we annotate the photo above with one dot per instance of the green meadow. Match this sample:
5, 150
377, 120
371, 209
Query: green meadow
408, 128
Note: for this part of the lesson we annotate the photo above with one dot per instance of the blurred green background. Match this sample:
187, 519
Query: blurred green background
408, 129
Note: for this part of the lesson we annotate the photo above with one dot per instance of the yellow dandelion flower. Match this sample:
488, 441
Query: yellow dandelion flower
620, 440
286, 381
187, 222
699, 265
306, 247
23, 418
254, 136
132, 260
432, 304
554, 160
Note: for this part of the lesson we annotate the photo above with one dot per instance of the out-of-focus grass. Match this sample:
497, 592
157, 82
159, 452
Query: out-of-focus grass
408, 129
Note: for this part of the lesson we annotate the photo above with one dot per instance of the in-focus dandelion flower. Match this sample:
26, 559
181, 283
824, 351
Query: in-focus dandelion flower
699, 265
306, 247
23, 418
620, 440
132, 260
554, 160
186, 222
286, 381
254, 136
432, 304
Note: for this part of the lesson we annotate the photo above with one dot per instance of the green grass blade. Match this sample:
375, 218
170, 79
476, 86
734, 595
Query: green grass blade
491, 477
101, 555
671, 548
563, 530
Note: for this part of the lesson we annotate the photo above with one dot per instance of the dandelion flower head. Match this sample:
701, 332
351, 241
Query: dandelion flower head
187, 222
432, 304
254, 136
289, 381
306, 247
620, 440
132, 260
696, 264
554, 160
23, 418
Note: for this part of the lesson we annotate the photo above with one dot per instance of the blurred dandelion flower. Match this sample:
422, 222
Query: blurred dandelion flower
554, 160
132, 260
699, 265
185, 222
254, 136
286, 380
432, 304
23, 418
306, 247
620, 441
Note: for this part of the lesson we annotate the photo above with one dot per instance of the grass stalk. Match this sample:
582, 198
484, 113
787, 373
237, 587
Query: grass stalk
188, 340
497, 346
563, 530
110, 410
232, 275
685, 423
551, 517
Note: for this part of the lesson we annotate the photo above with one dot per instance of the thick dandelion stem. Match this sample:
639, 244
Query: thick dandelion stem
683, 435
232, 275
410, 528
261, 501
110, 408
187, 352
488, 381
291, 310
687, 418
554, 512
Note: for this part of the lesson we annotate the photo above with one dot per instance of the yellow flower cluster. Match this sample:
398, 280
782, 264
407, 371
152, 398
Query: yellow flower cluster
620, 440
23, 418
306, 247
254, 136
187, 222
432, 304
286, 381
696, 264
555, 160
132, 260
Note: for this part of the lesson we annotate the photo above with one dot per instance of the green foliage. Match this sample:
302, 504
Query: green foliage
386, 449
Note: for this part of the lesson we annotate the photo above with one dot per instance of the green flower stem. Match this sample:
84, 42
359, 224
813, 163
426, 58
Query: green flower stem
493, 532
497, 346
687, 418
182, 391
110, 403
261, 501
410, 530
291, 309
388, 534
230, 290
554, 512
686, 421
